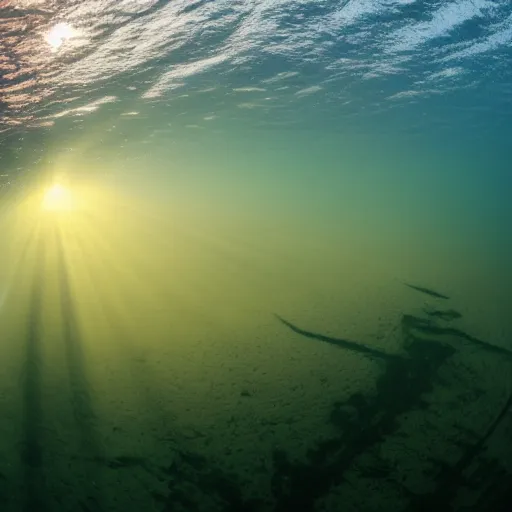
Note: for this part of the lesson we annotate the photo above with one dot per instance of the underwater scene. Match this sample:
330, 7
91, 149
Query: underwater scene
255, 255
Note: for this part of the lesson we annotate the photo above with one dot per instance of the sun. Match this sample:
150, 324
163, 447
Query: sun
58, 34
57, 198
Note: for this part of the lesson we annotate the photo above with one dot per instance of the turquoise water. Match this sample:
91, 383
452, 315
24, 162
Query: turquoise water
255, 255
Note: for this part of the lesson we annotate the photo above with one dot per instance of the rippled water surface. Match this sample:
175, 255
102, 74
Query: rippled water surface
255, 255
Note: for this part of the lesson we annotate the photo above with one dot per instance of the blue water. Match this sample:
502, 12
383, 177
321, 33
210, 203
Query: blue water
344, 165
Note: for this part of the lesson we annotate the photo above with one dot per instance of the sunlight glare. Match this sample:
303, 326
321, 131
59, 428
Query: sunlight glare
58, 34
57, 198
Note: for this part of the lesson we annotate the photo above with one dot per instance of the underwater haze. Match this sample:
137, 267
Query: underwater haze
255, 255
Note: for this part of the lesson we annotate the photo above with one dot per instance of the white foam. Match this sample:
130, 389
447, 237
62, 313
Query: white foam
501, 36
443, 21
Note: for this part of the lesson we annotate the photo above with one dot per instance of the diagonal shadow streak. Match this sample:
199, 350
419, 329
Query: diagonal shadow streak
346, 344
31, 456
83, 411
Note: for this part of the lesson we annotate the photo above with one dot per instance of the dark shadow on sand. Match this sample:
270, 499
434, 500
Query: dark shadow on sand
361, 424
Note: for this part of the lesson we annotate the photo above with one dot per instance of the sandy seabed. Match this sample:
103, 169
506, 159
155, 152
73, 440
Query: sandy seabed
203, 374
